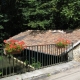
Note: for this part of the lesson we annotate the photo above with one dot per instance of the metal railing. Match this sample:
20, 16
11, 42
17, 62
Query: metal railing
33, 57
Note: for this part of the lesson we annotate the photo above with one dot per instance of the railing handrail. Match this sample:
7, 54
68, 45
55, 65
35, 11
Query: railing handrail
33, 54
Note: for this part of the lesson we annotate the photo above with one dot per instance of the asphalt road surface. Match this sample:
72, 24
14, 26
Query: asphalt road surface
72, 74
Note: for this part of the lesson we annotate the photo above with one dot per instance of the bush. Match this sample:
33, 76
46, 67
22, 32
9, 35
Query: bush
68, 14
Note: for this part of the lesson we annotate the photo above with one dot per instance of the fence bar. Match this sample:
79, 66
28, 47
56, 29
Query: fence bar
33, 57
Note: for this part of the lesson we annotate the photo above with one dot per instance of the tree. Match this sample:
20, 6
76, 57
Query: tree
19, 15
38, 14
68, 14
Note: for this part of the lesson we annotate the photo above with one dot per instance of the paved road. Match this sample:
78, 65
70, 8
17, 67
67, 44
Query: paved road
72, 74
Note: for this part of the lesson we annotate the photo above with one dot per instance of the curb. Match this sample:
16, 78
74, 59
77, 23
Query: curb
45, 72
68, 65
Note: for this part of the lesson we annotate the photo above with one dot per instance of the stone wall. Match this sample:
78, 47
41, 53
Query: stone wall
74, 53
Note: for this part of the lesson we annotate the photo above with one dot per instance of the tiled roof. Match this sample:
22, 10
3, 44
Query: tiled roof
37, 37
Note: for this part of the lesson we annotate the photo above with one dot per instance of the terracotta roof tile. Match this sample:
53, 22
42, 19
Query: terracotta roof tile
37, 37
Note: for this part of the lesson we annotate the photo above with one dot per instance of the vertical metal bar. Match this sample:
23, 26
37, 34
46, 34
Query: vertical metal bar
2, 63
37, 53
6, 65
49, 54
72, 50
13, 65
38, 56
60, 55
42, 55
23, 59
45, 55
52, 54
64, 54
56, 54
67, 52
24, 56
16, 65
32, 55
29, 56
10, 64
26, 59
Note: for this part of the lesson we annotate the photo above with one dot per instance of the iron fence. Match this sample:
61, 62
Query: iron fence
33, 57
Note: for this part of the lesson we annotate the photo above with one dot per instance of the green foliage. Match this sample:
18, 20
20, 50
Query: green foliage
38, 14
19, 15
35, 64
0, 57
0, 72
27, 62
52, 14
1, 27
68, 14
